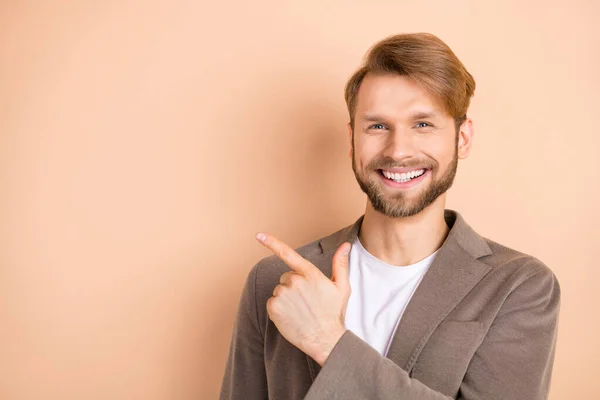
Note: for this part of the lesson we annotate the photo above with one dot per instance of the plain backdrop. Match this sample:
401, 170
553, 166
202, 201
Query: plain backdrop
142, 145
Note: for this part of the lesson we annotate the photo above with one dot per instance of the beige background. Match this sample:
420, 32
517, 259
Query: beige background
144, 143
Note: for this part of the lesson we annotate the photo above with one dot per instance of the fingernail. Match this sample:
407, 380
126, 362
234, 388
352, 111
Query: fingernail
261, 236
347, 250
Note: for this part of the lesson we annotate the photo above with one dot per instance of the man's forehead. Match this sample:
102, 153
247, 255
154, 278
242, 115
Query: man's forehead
395, 94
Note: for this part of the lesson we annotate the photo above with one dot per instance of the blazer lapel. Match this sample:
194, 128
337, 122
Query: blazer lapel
450, 277
453, 273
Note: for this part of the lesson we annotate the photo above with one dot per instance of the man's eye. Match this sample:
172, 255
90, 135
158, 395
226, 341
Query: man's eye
377, 126
423, 124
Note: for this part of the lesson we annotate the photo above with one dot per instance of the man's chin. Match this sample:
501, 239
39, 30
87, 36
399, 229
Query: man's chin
400, 212
408, 195
391, 207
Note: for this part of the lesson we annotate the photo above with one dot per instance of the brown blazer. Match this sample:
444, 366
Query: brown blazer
481, 325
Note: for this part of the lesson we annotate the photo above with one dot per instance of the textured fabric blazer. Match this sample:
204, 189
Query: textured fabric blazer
482, 324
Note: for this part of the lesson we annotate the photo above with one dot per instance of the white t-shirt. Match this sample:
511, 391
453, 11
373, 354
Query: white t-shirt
380, 293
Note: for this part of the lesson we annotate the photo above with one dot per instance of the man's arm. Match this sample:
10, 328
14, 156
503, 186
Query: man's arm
514, 360
245, 376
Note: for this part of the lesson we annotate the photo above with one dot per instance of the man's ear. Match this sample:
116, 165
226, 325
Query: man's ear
466, 135
350, 138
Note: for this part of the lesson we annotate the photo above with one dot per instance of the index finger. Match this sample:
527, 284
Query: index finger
288, 255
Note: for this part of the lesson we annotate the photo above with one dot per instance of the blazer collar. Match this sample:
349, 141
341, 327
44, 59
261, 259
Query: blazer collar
453, 273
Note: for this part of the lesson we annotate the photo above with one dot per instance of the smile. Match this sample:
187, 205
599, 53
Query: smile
404, 177
405, 180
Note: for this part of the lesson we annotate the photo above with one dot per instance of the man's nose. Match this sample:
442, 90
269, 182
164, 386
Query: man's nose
400, 144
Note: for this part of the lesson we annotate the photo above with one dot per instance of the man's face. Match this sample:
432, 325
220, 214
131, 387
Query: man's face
404, 146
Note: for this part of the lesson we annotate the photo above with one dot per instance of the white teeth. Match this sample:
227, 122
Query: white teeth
404, 177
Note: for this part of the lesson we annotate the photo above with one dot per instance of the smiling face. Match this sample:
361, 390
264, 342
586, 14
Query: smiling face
404, 145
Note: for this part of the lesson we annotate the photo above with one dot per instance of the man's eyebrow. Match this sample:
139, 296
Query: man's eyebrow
424, 115
416, 115
372, 117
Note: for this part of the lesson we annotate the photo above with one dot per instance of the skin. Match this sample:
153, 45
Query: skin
402, 227
396, 124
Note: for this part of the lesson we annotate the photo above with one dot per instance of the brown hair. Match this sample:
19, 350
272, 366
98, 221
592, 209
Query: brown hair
426, 59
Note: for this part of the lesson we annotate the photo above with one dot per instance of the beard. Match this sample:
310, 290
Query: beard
400, 205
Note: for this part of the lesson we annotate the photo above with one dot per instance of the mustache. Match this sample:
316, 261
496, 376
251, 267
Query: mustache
389, 164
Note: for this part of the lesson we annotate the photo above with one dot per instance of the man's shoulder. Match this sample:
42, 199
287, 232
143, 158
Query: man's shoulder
510, 262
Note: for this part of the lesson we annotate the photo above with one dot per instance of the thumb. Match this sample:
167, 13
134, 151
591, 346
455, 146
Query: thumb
339, 270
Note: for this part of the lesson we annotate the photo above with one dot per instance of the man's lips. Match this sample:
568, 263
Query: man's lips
404, 184
397, 170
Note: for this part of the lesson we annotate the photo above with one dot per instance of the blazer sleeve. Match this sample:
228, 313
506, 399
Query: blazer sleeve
514, 361
245, 374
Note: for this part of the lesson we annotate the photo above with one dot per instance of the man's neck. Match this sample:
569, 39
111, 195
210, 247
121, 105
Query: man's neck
404, 241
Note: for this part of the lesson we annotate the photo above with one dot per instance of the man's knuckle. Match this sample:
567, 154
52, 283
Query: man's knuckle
284, 277
311, 275
284, 253
277, 290
295, 279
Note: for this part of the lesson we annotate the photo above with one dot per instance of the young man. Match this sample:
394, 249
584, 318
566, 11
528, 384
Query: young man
422, 307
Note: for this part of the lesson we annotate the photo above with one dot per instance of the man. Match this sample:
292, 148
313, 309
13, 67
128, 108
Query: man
422, 307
